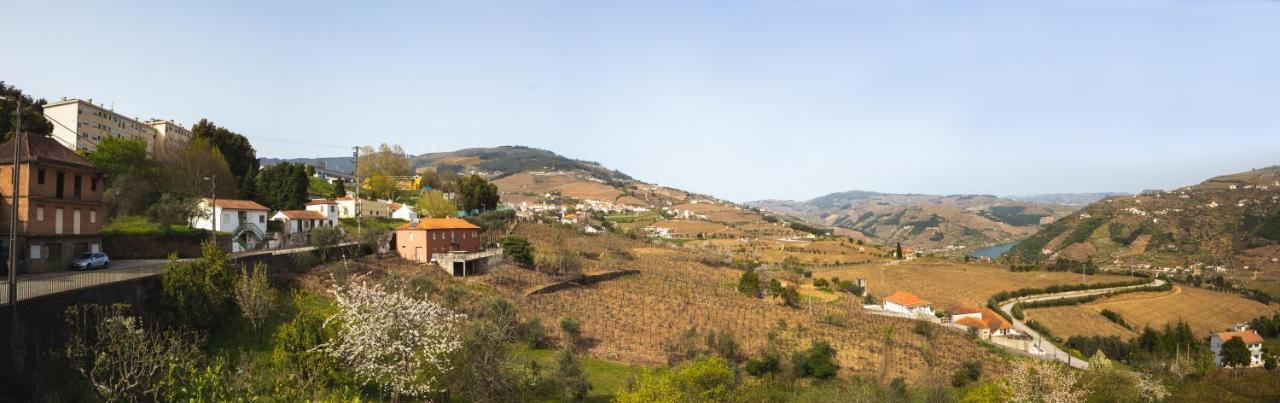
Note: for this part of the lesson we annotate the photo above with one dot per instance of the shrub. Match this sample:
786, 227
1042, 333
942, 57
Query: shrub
571, 329
517, 249
533, 333
198, 292
749, 282
255, 297
570, 377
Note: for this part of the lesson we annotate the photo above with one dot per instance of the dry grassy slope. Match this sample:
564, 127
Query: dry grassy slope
924, 221
629, 319
1209, 223
1205, 311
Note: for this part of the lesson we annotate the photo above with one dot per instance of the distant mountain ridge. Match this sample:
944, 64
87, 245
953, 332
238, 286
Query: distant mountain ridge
1232, 221
1069, 199
928, 222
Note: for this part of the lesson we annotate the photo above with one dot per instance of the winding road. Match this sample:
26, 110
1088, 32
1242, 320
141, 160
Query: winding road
1047, 348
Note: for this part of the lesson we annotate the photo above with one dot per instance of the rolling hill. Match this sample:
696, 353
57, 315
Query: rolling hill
1228, 225
924, 222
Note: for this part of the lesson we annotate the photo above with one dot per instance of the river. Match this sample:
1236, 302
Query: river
993, 251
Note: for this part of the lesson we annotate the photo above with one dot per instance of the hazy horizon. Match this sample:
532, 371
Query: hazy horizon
743, 101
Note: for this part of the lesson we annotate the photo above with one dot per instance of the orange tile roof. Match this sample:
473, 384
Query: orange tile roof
240, 204
394, 205
972, 322
994, 320
304, 215
906, 299
1249, 336
964, 308
440, 223
316, 202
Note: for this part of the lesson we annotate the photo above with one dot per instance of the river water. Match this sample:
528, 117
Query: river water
993, 251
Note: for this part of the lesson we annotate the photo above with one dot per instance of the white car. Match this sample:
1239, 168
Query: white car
91, 260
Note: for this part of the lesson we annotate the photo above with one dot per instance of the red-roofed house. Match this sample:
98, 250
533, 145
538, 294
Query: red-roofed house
905, 302
295, 224
417, 241
1252, 340
245, 220
984, 321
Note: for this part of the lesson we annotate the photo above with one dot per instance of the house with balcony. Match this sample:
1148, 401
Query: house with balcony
59, 198
326, 207
244, 220
1252, 341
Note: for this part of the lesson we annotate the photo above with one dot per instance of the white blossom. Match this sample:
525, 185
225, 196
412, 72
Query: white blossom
392, 339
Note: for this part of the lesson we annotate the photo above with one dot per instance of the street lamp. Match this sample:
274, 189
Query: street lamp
213, 205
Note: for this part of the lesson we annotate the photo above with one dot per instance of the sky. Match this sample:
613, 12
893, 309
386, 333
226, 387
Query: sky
741, 100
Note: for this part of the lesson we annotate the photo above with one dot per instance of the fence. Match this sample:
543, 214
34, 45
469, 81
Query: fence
37, 285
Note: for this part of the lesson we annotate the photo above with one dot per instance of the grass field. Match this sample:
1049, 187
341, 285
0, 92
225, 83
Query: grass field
946, 282
606, 377
1205, 311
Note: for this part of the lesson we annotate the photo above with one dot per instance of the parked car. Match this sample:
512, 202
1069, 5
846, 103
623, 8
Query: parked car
91, 260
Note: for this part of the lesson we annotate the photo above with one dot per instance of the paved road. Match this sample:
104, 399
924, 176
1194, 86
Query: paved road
1047, 348
37, 284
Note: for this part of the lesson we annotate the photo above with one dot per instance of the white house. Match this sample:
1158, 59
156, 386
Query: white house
403, 212
964, 310
295, 224
245, 220
1252, 340
984, 321
904, 302
327, 207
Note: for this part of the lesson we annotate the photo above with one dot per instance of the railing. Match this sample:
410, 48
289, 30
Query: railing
37, 285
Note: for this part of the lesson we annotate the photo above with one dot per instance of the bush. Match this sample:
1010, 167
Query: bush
533, 333
764, 365
571, 329
198, 292
818, 361
517, 249
749, 283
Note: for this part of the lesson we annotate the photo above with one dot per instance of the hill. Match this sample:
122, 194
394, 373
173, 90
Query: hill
924, 222
1226, 226
497, 162
1068, 199
341, 164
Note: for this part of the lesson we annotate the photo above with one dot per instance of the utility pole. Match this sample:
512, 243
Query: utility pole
15, 341
355, 174
213, 205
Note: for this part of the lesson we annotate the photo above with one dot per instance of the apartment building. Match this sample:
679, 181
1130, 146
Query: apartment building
60, 208
80, 125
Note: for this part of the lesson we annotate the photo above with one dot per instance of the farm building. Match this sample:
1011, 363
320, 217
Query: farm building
986, 322
905, 302
418, 241
1251, 339
964, 310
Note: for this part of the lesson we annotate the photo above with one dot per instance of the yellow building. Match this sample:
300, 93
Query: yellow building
80, 125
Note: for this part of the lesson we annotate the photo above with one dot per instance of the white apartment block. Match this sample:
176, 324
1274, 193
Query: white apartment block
80, 125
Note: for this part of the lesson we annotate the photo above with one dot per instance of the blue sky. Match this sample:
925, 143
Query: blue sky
740, 100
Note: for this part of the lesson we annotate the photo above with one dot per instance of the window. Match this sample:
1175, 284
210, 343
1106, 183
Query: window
262, 218
410, 235
93, 184
40, 213
40, 176
60, 182
93, 216
76, 191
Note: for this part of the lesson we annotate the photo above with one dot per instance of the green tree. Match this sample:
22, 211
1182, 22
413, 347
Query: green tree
897, 253
198, 292
379, 185
128, 174
33, 120
191, 168
1235, 353
241, 158
339, 189
707, 379
283, 186
517, 249
476, 193
749, 282
432, 203
569, 375
171, 210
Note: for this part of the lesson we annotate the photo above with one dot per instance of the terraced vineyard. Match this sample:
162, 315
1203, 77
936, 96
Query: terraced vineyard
631, 318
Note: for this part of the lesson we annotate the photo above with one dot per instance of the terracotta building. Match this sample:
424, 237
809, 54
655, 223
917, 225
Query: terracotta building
417, 241
60, 209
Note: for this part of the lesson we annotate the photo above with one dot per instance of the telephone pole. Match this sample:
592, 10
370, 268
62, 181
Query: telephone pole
15, 340
355, 174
